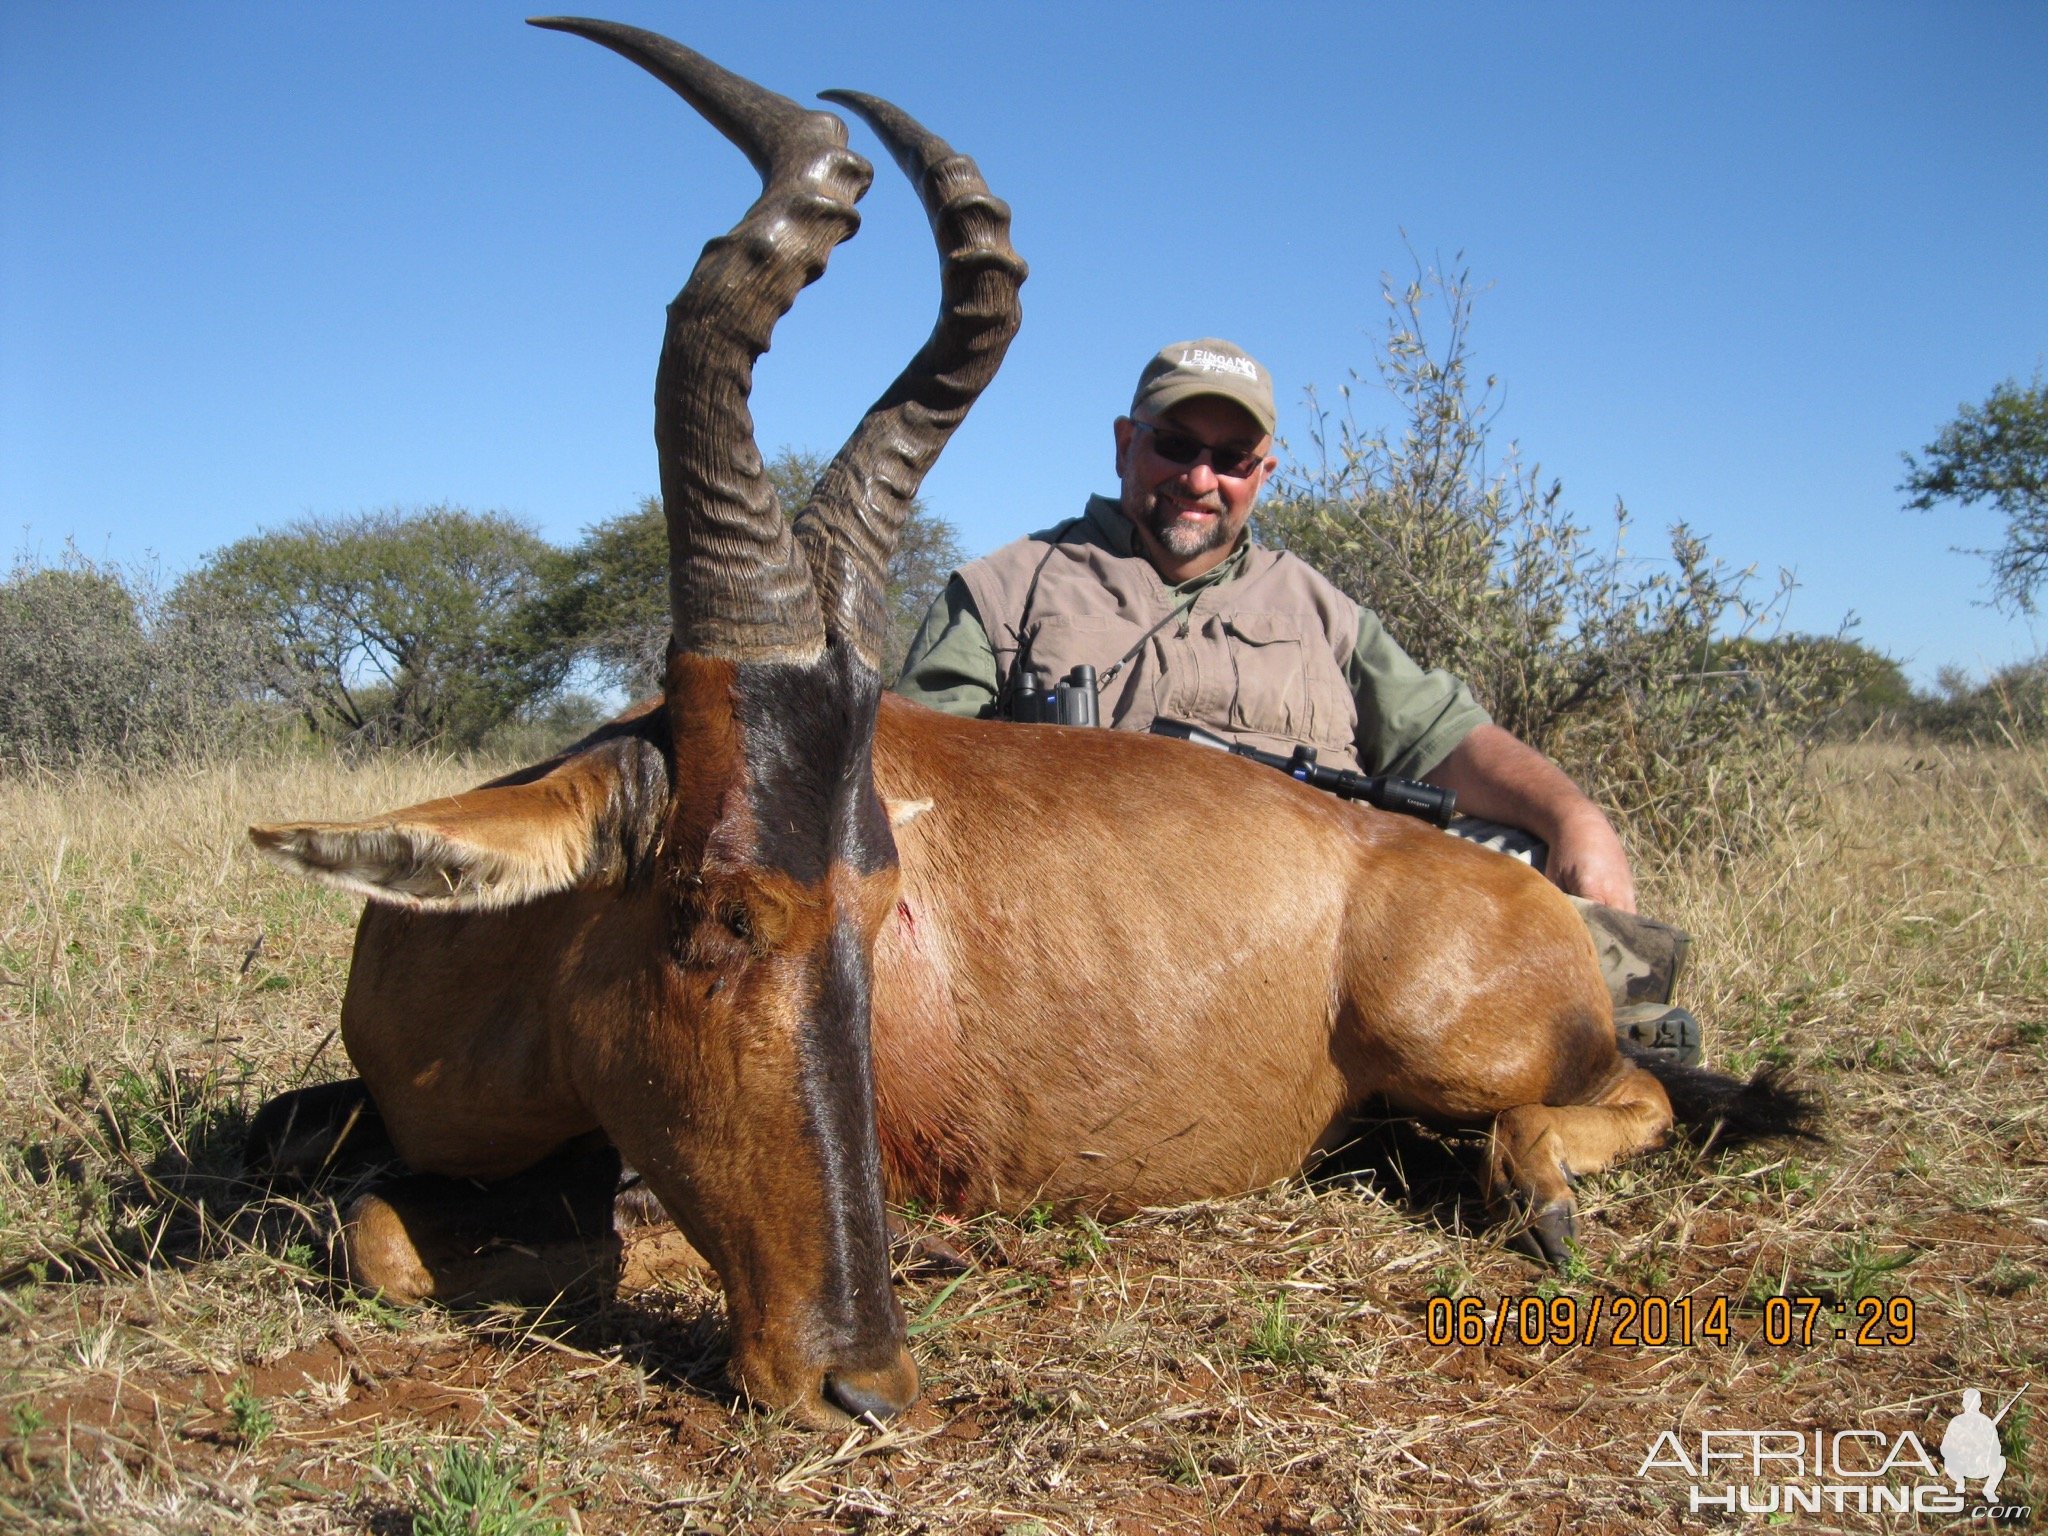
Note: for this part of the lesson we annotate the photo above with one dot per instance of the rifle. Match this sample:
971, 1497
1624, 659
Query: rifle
1384, 792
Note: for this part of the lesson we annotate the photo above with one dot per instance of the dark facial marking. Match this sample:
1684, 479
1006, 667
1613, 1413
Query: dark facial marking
838, 1095
807, 733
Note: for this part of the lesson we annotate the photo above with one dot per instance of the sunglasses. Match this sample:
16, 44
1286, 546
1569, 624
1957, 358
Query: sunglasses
1180, 448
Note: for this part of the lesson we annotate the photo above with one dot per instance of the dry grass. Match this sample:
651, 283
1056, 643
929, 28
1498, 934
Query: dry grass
174, 1358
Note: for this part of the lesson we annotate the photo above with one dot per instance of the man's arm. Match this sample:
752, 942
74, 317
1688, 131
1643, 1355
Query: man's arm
1496, 776
950, 665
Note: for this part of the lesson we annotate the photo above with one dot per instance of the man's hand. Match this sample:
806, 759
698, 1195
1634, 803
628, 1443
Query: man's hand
1502, 779
1586, 859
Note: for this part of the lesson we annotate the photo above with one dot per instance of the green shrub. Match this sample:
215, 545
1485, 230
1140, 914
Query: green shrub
95, 666
2009, 706
1618, 667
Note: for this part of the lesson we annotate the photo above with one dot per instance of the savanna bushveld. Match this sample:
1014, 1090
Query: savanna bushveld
1354, 1348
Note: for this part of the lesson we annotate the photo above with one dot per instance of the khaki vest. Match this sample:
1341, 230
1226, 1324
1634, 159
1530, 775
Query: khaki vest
1259, 658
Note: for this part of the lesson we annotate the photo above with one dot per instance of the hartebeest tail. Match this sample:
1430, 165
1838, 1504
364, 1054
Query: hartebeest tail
1729, 1111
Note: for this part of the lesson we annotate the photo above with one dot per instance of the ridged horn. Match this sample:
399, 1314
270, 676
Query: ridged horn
739, 587
855, 516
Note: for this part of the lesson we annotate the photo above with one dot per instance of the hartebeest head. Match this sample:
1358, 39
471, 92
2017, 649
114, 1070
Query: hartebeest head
726, 1046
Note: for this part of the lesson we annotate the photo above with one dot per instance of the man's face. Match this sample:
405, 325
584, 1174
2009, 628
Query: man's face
1188, 515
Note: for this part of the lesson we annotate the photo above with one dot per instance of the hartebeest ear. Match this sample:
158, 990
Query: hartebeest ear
590, 819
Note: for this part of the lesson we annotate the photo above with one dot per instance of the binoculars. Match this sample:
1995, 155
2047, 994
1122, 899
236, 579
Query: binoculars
1074, 700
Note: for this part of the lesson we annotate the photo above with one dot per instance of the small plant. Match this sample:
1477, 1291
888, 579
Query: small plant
1087, 1243
389, 1459
1789, 1178
2015, 1430
1184, 1465
373, 1308
1277, 1338
1763, 1286
475, 1492
253, 1423
1575, 1270
1858, 1266
95, 1347
1651, 1276
1449, 1280
26, 1419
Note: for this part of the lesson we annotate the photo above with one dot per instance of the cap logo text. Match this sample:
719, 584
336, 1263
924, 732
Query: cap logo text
1218, 362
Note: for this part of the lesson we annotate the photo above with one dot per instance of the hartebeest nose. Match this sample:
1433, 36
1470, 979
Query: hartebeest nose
881, 1393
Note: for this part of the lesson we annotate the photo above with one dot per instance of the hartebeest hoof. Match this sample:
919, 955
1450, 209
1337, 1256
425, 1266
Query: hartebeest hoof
1549, 1234
378, 1253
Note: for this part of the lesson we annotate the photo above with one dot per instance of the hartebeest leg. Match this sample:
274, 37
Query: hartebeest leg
1539, 1150
328, 1131
526, 1239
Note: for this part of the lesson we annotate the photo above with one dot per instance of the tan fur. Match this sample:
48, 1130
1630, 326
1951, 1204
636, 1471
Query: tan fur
1118, 971
1136, 973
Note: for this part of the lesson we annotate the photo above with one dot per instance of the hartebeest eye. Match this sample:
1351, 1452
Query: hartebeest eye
733, 920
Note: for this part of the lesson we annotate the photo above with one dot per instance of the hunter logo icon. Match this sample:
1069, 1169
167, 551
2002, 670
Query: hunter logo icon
1969, 1446
1860, 1468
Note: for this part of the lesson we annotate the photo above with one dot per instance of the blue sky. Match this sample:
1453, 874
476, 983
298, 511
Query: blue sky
260, 261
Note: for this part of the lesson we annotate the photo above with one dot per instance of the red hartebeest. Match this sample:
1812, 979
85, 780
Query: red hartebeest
790, 947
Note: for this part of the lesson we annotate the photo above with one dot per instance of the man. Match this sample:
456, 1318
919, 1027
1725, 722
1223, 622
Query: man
1183, 617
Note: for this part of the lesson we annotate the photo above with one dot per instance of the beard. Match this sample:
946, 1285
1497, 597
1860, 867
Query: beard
1187, 540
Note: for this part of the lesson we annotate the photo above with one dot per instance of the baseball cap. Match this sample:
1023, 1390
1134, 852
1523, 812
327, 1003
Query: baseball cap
1206, 366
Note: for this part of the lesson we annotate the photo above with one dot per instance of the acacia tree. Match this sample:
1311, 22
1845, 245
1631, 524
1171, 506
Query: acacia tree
391, 626
610, 601
1996, 452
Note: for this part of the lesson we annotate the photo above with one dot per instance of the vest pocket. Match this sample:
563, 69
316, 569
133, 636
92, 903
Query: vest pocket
1059, 642
1288, 684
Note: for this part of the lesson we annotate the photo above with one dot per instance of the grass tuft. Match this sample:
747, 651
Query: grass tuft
474, 1491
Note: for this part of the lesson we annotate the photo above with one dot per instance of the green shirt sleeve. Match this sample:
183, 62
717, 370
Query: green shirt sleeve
1408, 719
950, 665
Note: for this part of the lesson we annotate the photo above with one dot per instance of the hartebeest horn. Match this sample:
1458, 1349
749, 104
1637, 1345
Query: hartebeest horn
855, 516
738, 586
